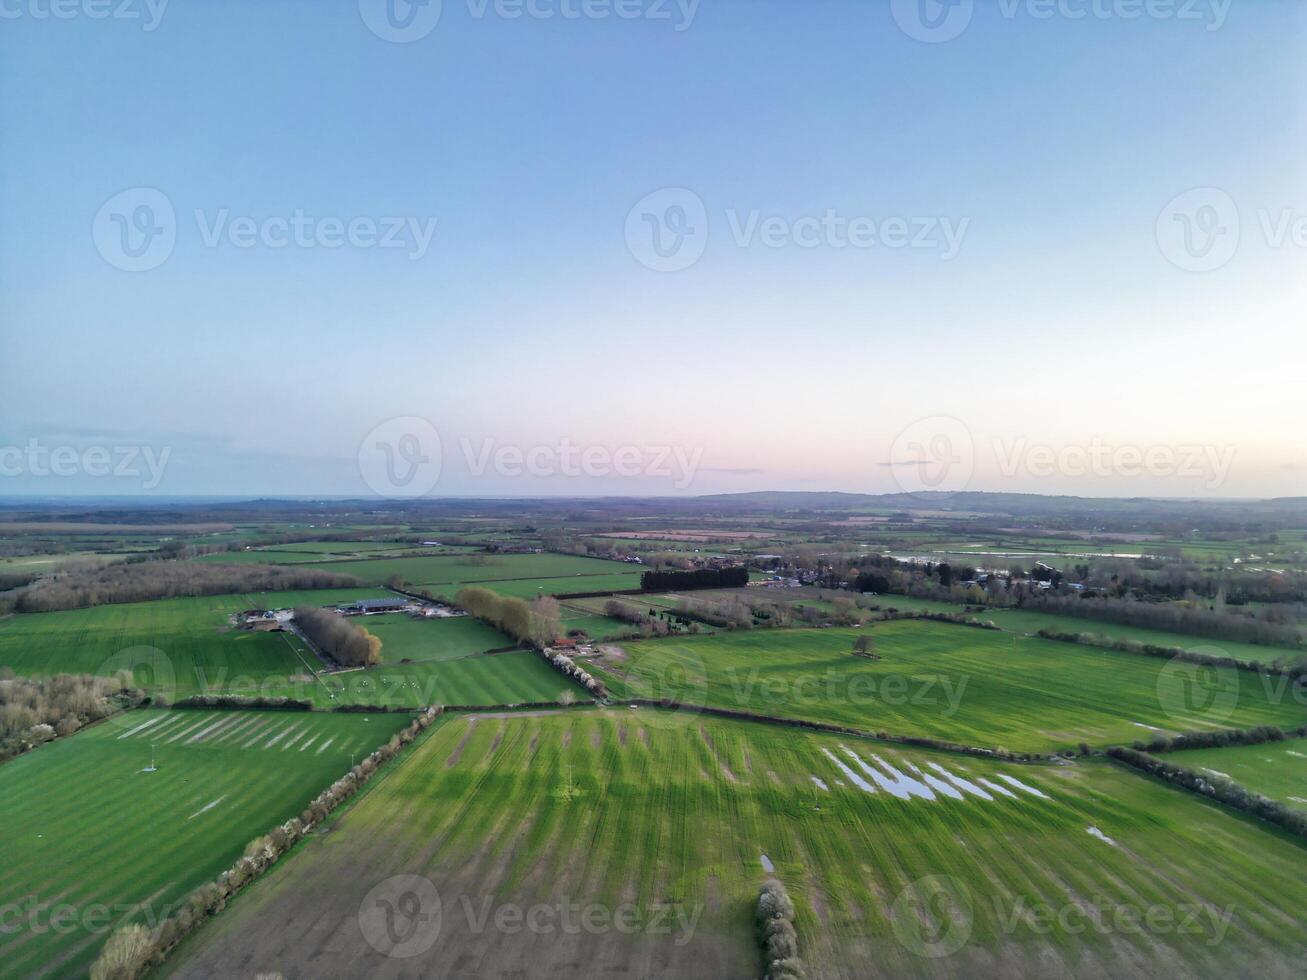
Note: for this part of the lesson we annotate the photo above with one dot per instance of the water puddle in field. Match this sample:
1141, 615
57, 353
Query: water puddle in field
881, 779
849, 774
1296, 755
1299, 799
1013, 781
966, 785
1140, 724
913, 787
207, 807
1095, 832
323, 747
988, 784
935, 783
1217, 772
766, 863
309, 742
818, 780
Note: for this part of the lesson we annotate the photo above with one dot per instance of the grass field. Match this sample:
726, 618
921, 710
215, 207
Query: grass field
1030, 622
501, 678
84, 828
420, 640
659, 823
979, 687
447, 570
1274, 769
183, 644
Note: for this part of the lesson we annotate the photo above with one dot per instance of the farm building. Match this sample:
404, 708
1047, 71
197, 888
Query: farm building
376, 605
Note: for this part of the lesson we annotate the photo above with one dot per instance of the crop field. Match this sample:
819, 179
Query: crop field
186, 644
500, 678
978, 687
422, 639
1274, 769
1030, 622
447, 570
662, 822
84, 828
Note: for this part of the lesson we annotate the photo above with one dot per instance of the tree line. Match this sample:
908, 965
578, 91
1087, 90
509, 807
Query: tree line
338, 638
144, 581
699, 578
536, 623
35, 710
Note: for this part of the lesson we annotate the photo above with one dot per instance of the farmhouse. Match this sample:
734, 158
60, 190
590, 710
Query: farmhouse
375, 605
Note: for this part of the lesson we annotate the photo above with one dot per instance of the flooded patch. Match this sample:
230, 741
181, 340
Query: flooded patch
820, 783
849, 774
914, 787
1013, 781
156, 720
989, 784
207, 807
1095, 832
1140, 724
766, 863
966, 785
1299, 799
1296, 755
881, 779
937, 784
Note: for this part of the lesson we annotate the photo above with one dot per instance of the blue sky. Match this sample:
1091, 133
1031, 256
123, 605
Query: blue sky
1048, 145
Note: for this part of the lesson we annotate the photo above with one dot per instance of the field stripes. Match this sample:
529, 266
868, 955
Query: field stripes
87, 824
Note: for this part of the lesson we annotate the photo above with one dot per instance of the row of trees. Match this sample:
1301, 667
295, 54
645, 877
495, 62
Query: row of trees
566, 666
338, 638
699, 578
1217, 740
537, 623
1171, 617
780, 942
1226, 791
35, 710
142, 581
134, 949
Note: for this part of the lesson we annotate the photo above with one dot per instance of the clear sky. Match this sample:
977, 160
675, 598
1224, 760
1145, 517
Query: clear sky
901, 237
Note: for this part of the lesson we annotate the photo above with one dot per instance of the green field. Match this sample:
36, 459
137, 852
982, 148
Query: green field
453, 570
978, 687
183, 644
1274, 769
500, 678
416, 639
85, 829
671, 818
1030, 622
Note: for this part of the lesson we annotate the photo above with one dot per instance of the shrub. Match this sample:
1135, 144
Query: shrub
125, 955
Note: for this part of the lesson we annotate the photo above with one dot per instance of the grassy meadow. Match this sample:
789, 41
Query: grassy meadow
185, 645
423, 639
959, 683
890, 855
1274, 769
85, 828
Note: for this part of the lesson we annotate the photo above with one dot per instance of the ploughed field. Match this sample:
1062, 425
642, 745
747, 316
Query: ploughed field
633, 842
979, 687
92, 839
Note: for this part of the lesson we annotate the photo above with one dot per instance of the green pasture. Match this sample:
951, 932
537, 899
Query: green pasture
90, 837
